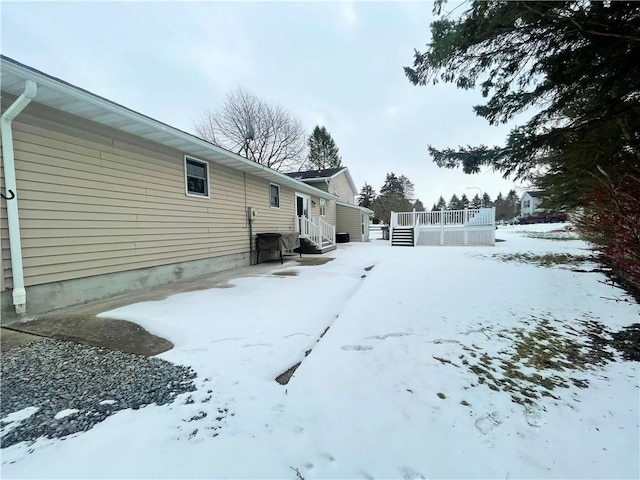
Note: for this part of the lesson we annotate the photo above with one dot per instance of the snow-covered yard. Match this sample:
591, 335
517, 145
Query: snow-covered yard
457, 362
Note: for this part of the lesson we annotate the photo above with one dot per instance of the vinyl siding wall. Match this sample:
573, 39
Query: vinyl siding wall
93, 200
340, 185
349, 221
534, 203
330, 216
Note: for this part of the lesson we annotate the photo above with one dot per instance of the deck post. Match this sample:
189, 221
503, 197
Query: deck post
493, 217
441, 226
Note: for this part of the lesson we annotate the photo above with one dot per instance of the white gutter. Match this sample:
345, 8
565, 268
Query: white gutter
8, 159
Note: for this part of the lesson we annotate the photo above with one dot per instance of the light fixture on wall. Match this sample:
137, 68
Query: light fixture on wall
313, 202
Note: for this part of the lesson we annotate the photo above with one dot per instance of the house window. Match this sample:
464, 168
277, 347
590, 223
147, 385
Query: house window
323, 207
527, 203
197, 177
274, 195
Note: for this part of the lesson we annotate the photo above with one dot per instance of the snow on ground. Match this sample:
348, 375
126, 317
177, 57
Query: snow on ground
14, 419
67, 412
440, 362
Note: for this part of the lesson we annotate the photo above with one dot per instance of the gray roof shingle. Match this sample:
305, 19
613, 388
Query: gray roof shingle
315, 174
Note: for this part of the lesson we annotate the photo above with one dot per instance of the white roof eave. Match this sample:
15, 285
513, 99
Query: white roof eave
63, 96
357, 207
324, 179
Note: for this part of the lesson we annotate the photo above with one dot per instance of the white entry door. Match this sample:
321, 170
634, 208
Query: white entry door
302, 210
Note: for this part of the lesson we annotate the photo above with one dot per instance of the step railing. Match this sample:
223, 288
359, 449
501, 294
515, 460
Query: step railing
310, 231
316, 230
328, 231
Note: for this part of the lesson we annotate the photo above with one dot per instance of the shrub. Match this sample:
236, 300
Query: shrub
611, 222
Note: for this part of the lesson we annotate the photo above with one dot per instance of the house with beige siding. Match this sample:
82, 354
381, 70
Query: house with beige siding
102, 200
342, 210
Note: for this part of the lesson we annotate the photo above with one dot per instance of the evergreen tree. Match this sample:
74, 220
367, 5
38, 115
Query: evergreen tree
323, 152
512, 205
441, 204
464, 201
393, 197
385, 204
486, 200
501, 208
475, 202
392, 186
454, 203
418, 206
434, 208
573, 61
367, 196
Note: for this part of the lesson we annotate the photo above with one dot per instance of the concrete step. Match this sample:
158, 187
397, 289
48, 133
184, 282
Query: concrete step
306, 246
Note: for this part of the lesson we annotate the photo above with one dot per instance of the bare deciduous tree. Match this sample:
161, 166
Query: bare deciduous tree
248, 125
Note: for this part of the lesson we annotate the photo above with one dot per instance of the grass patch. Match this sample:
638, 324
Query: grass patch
445, 361
627, 341
545, 260
546, 357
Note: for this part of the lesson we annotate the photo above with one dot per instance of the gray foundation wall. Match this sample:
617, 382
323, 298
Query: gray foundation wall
56, 295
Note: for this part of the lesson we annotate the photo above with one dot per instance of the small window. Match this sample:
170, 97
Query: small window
527, 203
197, 176
274, 196
323, 207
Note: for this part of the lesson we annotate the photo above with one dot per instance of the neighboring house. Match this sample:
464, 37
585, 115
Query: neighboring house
529, 203
342, 209
109, 200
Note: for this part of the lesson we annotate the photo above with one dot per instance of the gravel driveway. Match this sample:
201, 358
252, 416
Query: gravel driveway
70, 387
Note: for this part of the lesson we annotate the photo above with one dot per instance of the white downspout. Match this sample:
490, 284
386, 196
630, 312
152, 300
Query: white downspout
8, 159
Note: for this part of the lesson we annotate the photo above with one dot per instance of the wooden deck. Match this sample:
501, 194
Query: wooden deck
475, 226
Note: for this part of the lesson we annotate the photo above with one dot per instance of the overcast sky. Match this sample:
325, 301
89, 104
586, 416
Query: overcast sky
335, 64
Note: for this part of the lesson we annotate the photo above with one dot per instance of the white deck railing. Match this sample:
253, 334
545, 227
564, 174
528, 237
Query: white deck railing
469, 216
464, 221
316, 230
328, 231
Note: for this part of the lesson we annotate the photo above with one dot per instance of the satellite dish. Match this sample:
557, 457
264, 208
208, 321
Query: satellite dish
251, 134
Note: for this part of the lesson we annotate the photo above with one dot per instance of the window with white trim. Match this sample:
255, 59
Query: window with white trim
323, 207
196, 177
527, 203
274, 195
